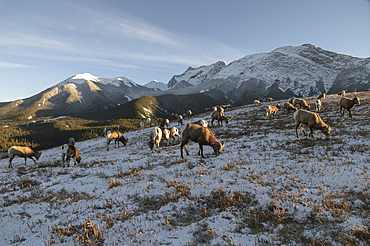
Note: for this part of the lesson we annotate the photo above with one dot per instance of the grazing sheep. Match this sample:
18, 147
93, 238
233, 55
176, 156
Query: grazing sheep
179, 120
166, 136
106, 130
117, 137
148, 122
269, 99
288, 107
318, 104
349, 104
302, 103
272, 110
122, 129
155, 138
322, 96
163, 122
201, 123
190, 114
257, 102
310, 119
291, 100
219, 117
70, 151
173, 133
201, 135
25, 152
342, 93
175, 116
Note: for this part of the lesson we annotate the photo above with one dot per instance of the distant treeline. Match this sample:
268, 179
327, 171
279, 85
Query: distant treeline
49, 134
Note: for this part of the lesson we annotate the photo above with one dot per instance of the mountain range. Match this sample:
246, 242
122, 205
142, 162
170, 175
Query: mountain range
287, 71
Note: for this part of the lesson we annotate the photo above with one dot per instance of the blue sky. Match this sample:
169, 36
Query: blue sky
44, 42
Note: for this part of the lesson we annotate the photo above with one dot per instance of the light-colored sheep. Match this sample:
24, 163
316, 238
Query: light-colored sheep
201, 135
71, 141
302, 103
25, 152
219, 117
318, 104
288, 108
349, 104
257, 102
117, 137
166, 135
201, 123
173, 133
342, 93
272, 110
310, 119
70, 151
155, 138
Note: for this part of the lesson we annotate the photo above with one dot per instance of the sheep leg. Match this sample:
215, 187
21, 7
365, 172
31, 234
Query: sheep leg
25, 161
311, 132
350, 113
108, 141
33, 160
63, 155
184, 143
200, 152
10, 161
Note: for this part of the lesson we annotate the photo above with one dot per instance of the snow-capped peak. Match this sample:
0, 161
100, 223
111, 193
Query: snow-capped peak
83, 77
155, 84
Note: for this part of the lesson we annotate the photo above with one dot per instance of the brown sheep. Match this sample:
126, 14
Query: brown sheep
269, 99
70, 151
25, 152
117, 137
272, 110
179, 120
322, 96
190, 114
201, 135
349, 104
163, 122
302, 103
122, 129
257, 102
310, 119
288, 108
219, 117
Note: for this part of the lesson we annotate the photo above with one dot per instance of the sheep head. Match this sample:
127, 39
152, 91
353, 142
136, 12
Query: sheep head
218, 146
78, 159
356, 100
326, 130
37, 154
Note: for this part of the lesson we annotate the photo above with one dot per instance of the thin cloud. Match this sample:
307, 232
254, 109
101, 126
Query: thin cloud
14, 65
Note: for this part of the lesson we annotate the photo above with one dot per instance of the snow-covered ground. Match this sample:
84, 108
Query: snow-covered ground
267, 187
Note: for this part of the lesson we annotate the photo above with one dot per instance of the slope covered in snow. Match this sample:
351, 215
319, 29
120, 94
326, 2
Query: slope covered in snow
266, 188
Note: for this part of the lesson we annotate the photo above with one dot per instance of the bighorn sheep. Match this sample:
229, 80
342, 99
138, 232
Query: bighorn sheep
179, 120
287, 107
163, 122
173, 133
302, 103
342, 93
201, 135
318, 104
25, 152
117, 137
166, 135
269, 99
155, 138
201, 123
349, 104
106, 130
219, 117
322, 96
175, 116
148, 122
257, 102
272, 110
291, 100
310, 119
70, 151
140, 125
190, 114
